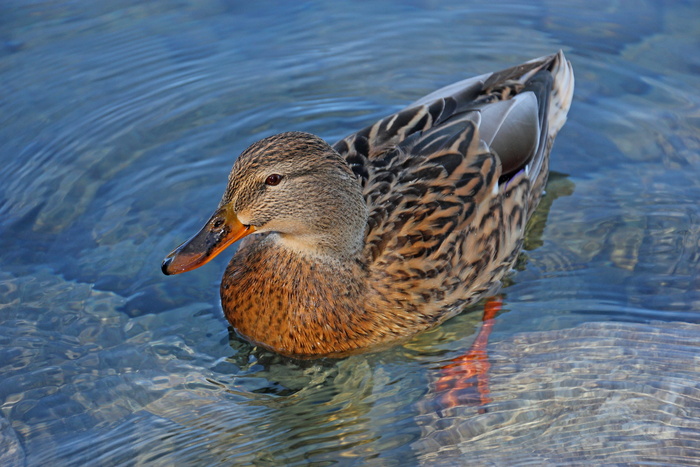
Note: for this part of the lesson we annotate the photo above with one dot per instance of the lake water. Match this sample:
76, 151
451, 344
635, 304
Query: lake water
119, 123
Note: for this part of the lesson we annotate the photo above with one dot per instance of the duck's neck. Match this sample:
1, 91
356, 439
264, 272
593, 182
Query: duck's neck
334, 229
328, 247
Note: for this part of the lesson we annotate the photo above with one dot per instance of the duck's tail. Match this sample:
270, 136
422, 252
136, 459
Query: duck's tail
562, 93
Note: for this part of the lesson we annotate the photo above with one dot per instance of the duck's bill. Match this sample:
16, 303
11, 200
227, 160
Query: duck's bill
219, 232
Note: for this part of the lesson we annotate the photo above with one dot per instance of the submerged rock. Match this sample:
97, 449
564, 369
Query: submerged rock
602, 392
11, 451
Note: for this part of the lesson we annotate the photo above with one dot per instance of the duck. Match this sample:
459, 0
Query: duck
392, 230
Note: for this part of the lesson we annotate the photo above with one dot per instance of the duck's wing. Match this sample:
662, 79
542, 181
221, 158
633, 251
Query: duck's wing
361, 148
436, 174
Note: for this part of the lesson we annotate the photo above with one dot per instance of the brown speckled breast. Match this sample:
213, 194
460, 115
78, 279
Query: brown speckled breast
295, 305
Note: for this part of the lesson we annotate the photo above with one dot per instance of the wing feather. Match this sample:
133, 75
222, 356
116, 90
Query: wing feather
448, 181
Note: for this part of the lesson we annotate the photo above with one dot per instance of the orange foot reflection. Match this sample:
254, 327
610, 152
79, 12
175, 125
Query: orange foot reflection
464, 381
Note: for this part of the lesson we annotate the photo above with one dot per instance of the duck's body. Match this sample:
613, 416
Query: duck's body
394, 229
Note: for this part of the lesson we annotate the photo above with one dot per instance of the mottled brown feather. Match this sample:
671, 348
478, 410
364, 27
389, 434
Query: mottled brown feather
442, 223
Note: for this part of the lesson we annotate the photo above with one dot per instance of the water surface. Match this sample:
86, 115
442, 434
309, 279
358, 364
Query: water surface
119, 122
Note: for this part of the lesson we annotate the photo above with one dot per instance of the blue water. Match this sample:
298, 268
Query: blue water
119, 121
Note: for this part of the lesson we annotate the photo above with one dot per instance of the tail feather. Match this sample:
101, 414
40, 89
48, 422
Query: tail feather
562, 93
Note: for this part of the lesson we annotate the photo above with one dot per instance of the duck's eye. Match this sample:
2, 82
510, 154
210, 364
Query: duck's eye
273, 179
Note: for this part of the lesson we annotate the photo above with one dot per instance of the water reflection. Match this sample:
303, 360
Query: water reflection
121, 119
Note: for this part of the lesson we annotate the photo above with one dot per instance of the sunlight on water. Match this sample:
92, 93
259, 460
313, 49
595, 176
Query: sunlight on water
119, 123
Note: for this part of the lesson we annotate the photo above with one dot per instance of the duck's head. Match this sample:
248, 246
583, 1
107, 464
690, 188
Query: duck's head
293, 185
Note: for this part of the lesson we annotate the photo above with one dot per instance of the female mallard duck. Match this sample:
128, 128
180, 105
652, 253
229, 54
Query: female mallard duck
395, 228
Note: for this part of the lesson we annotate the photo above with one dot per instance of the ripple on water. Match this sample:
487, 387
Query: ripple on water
119, 122
71, 362
600, 392
11, 451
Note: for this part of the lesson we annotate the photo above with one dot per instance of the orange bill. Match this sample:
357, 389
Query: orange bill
220, 231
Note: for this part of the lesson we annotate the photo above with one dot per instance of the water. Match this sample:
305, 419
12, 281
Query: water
119, 122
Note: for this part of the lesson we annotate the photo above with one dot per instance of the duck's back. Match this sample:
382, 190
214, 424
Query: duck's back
451, 181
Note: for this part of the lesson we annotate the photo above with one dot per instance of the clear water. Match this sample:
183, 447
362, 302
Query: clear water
119, 121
